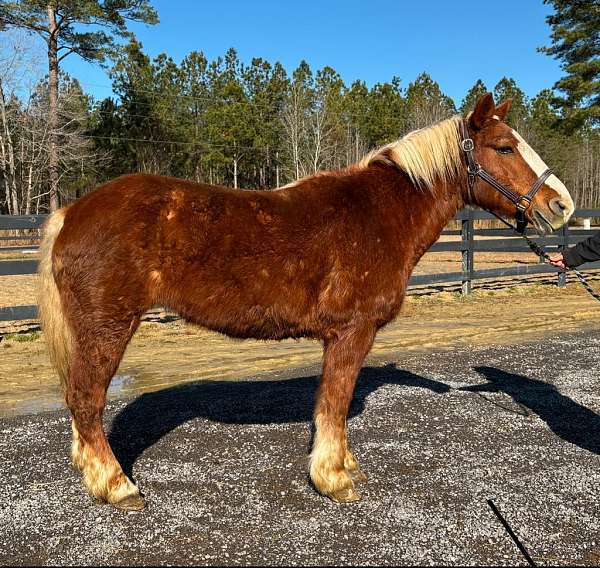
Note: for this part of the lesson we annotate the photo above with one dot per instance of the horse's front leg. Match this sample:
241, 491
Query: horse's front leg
332, 465
351, 464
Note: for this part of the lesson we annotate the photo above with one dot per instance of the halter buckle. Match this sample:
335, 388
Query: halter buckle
473, 169
523, 203
467, 145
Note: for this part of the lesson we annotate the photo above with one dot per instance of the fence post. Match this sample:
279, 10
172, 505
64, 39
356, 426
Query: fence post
564, 233
466, 233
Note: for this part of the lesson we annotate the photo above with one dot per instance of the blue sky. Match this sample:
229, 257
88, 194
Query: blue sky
456, 42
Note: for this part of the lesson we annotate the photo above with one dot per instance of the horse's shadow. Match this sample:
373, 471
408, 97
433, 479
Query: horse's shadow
149, 417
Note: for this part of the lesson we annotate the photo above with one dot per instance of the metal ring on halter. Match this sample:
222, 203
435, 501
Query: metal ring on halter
468, 145
474, 169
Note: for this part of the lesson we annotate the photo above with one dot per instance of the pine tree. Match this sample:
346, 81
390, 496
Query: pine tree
426, 103
357, 121
134, 84
385, 114
473, 94
576, 43
231, 127
543, 115
507, 88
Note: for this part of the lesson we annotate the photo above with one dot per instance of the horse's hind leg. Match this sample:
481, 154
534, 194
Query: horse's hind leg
332, 465
95, 359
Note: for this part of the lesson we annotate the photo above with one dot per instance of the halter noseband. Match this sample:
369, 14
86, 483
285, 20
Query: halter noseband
474, 171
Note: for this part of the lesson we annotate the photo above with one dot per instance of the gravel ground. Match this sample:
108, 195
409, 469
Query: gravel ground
223, 468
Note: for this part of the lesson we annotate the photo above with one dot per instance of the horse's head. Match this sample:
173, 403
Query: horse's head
508, 159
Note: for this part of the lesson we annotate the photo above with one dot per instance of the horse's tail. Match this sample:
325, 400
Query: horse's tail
54, 324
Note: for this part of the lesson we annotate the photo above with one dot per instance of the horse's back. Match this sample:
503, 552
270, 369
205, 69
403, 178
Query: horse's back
212, 253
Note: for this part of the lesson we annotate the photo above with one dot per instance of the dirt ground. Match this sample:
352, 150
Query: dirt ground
167, 354
223, 467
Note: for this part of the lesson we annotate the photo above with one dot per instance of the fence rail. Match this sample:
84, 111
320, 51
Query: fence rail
505, 241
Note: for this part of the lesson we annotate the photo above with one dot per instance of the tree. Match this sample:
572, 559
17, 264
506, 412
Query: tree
195, 91
549, 142
230, 121
24, 144
507, 88
426, 103
294, 118
266, 87
543, 115
134, 83
325, 127
473, 94
576, 42
357, 122
59, 23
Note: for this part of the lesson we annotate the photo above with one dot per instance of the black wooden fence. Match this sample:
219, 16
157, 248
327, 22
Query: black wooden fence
505, 241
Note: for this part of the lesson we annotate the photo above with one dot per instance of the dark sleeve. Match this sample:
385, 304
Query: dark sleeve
585, 251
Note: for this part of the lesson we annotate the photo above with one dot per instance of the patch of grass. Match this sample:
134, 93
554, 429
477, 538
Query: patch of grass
437, 298
480, 293
23, 337
148, 329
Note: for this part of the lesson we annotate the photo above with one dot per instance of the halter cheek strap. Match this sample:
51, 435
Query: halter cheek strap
474, 171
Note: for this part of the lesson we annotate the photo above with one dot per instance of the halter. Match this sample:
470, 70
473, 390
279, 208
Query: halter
474, 171
521, 202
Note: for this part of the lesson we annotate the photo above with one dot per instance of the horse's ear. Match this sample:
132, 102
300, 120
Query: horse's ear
502, 110
484, 109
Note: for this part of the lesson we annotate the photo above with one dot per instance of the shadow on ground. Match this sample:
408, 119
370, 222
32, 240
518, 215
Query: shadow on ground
148, 418
568, 419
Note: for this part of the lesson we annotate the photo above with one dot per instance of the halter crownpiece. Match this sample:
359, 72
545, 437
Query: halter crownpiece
474, 170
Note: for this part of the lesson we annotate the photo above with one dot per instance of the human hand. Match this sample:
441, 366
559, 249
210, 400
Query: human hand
558, 260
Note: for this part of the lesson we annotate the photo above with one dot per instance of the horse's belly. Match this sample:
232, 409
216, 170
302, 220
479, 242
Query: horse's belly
256, 322
251, 310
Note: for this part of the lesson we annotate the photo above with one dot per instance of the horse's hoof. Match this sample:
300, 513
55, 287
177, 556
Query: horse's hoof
131, 503
358, 476
345, 496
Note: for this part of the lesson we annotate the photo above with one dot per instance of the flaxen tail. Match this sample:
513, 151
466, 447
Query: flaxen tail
54, 324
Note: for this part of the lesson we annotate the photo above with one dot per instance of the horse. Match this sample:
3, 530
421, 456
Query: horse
327, 257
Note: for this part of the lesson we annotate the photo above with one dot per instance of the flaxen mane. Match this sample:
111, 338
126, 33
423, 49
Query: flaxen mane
427, 155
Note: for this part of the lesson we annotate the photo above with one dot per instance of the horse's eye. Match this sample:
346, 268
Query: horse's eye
505, 150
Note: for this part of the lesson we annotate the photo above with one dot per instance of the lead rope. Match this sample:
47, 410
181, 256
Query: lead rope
537, 249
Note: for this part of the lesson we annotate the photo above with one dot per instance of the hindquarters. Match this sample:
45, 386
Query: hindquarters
93, 293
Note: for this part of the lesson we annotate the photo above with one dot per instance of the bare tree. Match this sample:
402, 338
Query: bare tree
294, 126
60, 24
25, 133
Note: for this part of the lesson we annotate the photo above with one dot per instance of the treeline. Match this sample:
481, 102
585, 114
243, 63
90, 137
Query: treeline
243, 125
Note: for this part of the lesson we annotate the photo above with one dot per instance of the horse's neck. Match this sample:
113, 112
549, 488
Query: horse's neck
422, 214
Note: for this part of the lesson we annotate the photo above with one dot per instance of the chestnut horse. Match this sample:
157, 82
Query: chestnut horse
327, 257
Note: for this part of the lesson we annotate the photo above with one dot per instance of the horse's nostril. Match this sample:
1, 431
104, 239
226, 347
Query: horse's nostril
558, 206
